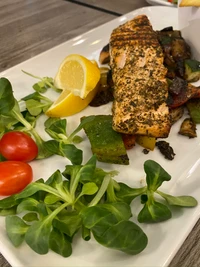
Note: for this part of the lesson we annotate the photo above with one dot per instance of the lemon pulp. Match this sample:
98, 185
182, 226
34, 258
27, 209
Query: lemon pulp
78, 77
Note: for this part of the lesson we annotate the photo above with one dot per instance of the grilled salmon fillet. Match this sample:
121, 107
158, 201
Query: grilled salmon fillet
140, 86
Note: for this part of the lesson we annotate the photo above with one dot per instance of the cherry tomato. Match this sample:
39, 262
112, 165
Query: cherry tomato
14, 177
20, 146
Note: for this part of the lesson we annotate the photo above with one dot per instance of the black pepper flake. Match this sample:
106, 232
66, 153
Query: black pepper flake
145, 151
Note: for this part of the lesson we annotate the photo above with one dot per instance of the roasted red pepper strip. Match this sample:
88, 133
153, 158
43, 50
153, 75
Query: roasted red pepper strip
129, 140
187, 93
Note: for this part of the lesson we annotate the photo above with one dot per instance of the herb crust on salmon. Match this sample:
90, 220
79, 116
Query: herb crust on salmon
139, 77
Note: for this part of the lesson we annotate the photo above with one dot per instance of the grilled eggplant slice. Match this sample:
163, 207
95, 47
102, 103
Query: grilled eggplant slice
188, 128
105, 90
167, 29
177, 85
104, 56
175, 50
176, 114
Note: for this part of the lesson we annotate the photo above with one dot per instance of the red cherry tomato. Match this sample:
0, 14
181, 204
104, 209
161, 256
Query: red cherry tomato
20, 146
14, 177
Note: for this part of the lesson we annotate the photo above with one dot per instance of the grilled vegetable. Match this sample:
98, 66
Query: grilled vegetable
193, 107
175, 50
188, 91
177, 85
192, 70
146, 141
105, 90
188, 128
104, 56
103, 96
176, 114
166, 149
106, 144
173, 1
167, 29
129, 140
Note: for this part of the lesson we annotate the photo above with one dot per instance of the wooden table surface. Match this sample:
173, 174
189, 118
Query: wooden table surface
28, 28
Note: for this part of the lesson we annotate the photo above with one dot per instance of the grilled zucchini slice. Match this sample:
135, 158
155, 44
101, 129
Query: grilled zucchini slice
106, 144
192, 70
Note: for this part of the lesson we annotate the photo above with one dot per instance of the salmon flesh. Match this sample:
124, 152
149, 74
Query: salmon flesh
140, 86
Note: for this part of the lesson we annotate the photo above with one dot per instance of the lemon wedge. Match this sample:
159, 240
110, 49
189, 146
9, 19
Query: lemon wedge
68, 104
79, 78
78, 75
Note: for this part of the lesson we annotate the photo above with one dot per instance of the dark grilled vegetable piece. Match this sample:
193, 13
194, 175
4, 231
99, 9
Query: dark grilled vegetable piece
105, 91
192, 70
167, 29
103, 96
170, 33
177, 85
104, 56
180, 67
109, 79
187, 91
176, 50
193, 107
180, 49
176, 113
166, 149
106, 144
188, 128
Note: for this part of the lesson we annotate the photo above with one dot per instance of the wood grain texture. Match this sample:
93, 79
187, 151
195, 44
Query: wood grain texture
3, 262
28, 28
189, 253
118, 6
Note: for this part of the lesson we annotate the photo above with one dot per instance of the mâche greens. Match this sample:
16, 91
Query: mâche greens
86, 198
